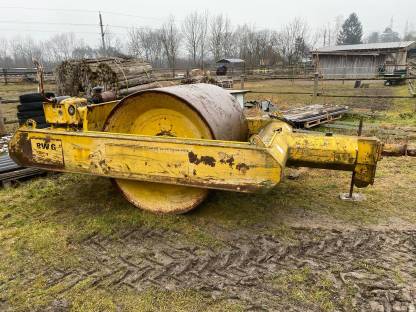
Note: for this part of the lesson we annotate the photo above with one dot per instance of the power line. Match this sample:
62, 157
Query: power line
88, 11
135, 16
83, 11
46, 23
55, 31
59, 23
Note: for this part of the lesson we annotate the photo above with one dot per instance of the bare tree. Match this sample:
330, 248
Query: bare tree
246, 44
4, 55
84, 52
228, 39
339, 20
23, 50
61, 46
113, 44
257, 48
134, 43
195, 30
156, 48
145, 42
289, 39
204, 17
20, 51
192, 30
216, 36
171, 40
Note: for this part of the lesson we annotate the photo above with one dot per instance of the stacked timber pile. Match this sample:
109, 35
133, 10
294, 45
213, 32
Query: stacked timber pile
121, 75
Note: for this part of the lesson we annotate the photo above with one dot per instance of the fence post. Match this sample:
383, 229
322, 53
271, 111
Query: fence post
5, 75
293, 74
316, 85
2, 128
242, 82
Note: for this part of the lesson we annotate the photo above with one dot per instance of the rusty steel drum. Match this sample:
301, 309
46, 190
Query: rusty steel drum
199, 111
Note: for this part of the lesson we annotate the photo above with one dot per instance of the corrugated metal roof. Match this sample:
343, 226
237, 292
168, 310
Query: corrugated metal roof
231, 60
367, 46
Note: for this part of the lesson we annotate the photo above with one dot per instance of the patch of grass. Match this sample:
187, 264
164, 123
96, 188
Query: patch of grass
12, 90
348, 301
151, 300
370, 267
284, 232
301, 286
84, 298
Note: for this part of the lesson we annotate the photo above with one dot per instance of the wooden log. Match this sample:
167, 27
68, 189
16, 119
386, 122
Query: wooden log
130, 71
134, 82
137, 76
80, 76
128, 91
153, 85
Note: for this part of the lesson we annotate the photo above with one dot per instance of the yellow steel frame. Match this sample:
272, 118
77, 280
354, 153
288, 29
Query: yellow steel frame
239, 166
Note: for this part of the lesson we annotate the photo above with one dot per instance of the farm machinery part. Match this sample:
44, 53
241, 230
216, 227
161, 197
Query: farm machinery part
166, 148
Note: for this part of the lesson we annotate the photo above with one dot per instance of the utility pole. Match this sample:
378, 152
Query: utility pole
102, 33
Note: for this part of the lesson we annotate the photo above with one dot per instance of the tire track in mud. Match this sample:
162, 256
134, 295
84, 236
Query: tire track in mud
379, 266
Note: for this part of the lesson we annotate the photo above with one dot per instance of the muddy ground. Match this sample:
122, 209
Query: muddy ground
359, 270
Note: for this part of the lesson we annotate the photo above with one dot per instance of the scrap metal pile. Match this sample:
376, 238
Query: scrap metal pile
121, 75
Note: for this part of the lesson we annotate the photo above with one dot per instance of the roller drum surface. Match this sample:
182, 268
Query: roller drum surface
198, 111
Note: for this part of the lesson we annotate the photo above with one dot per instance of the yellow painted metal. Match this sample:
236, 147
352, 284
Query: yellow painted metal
159, 115
65, 112
76, 112
339, 152
225, 165
96, 115
256, 124
346, 153
238, 166
164, 156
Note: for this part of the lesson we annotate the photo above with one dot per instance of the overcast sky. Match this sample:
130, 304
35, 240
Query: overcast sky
375, 15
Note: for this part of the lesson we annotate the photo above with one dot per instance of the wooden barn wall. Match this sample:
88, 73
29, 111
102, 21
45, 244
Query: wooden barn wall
358, 66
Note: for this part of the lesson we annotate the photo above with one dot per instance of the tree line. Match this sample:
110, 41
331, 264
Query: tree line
198, 40
351, 32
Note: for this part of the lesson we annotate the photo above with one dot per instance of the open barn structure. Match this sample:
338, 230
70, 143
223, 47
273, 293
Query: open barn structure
231, 66
363, 61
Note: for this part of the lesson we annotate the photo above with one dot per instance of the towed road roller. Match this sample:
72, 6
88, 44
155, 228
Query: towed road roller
166, 148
